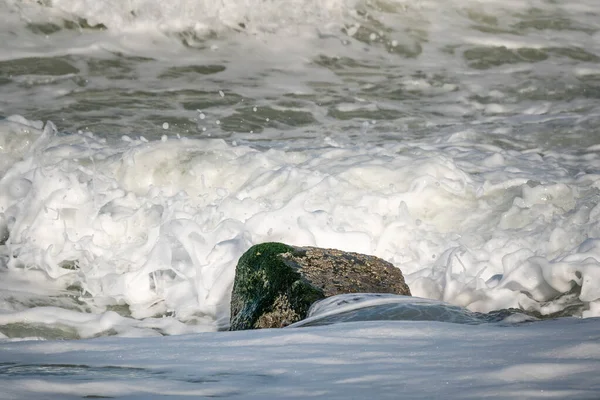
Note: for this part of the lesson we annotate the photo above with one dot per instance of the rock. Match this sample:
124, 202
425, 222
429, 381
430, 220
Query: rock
275, 284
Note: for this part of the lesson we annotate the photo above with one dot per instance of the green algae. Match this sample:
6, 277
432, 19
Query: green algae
267, 286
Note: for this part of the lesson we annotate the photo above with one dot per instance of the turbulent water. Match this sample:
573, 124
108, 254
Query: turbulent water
145, 145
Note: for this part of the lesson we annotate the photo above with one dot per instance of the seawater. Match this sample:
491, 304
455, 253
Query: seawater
145, 145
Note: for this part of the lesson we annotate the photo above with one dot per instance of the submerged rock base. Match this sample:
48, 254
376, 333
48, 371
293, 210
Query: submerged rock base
275, 284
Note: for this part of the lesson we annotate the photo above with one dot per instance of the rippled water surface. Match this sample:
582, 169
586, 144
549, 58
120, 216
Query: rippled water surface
516, 73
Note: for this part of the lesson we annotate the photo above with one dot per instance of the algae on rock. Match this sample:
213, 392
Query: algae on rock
275, 284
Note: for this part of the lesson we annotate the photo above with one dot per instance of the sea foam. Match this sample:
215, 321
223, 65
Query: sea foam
153, 229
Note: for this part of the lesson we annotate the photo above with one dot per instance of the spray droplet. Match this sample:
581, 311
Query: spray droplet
165, 126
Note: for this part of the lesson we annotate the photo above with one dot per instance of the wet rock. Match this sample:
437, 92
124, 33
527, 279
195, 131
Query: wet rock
275, 284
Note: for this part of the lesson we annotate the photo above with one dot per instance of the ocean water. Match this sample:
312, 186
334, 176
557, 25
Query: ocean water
381, 360
145, 145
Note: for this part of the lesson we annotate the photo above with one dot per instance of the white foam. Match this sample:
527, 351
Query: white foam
463, 193
200, 16
158, 226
